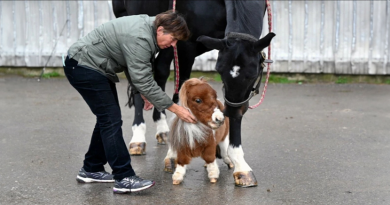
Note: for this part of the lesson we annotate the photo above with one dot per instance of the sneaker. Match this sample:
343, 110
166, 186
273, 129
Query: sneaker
132, 184
88, 177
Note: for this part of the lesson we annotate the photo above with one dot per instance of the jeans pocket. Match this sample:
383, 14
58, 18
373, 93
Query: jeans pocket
68, 72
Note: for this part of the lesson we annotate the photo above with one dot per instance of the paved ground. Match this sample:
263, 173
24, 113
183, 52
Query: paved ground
307, 144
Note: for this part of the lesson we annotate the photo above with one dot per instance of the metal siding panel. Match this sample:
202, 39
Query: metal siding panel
386, 64
312, 39
360, 54
329, 21
344, 32
378, 37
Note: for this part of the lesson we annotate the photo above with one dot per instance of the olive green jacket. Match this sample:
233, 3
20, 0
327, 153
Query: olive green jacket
127, 42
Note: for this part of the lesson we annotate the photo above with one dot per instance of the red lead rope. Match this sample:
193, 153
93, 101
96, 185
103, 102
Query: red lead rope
177, 75
269, 57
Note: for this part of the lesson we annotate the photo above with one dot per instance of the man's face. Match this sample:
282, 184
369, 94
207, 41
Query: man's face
165, 40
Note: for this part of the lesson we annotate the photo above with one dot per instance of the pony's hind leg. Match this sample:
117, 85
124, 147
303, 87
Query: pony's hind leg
137, 144
213, 171
223, 145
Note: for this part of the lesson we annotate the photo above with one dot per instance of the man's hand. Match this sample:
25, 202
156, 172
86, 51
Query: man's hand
182, 113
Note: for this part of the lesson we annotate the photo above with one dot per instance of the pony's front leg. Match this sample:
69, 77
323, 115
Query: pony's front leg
213, 171
170, 161
137, 144
161, 126
243, 174
180, 171
178, 176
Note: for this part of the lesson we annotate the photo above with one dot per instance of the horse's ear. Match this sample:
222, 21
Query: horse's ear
183, 94
264, 42
211, 43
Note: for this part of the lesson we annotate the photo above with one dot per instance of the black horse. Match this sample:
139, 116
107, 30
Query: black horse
234, 28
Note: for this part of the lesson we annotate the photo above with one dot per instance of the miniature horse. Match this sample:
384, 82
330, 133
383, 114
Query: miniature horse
187, 140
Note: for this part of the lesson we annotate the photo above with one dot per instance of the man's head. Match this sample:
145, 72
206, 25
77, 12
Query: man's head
171, 27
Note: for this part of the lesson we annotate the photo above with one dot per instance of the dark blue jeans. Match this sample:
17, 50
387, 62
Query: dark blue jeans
107, 143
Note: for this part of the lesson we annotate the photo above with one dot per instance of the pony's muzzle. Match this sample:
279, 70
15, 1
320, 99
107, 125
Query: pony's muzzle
217, 119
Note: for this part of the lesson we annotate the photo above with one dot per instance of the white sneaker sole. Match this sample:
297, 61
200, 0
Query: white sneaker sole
90, 180
124, 190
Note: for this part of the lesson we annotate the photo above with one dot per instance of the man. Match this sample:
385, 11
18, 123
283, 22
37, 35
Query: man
125, 44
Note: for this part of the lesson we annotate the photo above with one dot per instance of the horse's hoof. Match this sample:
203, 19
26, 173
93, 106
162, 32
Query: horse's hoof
170, 165
213, 180
176, 182
162, 138
230, 165
137, 148
245, 179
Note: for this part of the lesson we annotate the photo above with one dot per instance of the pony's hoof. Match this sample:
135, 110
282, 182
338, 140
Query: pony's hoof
245, 179
176, 182
213, 180
170, 165
137, 148
162, 138
230, 165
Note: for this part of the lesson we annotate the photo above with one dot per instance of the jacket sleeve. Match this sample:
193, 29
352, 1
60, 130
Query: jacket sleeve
137, 53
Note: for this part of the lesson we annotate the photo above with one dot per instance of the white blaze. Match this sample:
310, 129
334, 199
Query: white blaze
235, 72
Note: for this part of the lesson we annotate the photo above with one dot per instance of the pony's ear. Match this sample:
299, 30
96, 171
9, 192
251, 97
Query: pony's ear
211, 43
183, 94
264, 42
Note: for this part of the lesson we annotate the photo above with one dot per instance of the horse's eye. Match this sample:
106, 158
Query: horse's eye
198, 100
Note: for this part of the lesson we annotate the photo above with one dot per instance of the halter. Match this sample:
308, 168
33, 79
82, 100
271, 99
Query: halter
255, 89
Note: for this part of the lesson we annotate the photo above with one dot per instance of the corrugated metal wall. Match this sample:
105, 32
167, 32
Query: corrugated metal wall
341, 37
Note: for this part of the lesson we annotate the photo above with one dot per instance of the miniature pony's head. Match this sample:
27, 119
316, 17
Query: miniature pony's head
197, 95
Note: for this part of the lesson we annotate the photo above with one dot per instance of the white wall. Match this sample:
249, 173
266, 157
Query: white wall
349, 37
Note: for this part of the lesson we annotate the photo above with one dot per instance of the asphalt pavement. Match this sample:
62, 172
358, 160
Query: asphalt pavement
307, 144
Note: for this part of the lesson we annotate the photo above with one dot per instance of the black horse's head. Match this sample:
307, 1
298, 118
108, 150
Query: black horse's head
239, 64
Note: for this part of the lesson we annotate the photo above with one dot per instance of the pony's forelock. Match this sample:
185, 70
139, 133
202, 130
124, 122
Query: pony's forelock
184, 88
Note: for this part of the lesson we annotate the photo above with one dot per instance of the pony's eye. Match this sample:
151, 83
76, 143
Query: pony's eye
198, 100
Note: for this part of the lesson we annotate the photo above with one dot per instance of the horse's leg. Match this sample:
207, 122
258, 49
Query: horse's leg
223, 145
138, 143
161, 74
170, 161
243, 175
